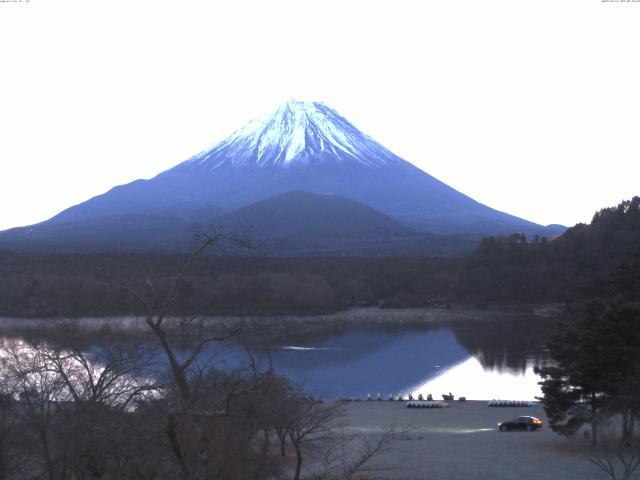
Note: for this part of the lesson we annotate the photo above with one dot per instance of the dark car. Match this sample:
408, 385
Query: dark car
521, 423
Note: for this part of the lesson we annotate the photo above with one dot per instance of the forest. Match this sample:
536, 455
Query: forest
511, 270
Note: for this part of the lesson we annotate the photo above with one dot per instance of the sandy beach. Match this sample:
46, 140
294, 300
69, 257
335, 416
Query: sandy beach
462, 443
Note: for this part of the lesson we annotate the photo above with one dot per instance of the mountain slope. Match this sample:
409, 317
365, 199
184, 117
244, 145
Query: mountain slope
302, 147
305, 146
124, 232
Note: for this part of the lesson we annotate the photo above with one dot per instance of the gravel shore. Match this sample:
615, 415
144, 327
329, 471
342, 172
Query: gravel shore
462, 443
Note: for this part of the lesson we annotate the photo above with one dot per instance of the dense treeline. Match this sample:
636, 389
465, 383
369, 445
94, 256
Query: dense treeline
592, 377
577, 265
513, 269
92, 284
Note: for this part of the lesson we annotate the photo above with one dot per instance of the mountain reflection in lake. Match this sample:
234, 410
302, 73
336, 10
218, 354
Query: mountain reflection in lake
479, 359
360, 362
357, 363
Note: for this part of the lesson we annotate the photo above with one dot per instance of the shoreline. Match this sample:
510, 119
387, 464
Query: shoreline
366, 314
275, 328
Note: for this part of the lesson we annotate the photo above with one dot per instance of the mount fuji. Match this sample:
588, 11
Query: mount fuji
301, 147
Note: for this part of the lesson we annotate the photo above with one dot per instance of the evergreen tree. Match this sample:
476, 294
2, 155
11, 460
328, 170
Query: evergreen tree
594, 371
574, 385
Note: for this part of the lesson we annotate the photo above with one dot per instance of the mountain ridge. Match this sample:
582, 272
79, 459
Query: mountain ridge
302, 146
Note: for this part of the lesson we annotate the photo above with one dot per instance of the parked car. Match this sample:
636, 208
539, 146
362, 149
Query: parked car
521, 423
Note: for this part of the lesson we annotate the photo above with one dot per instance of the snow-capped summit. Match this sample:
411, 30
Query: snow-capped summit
301, 146
298, 132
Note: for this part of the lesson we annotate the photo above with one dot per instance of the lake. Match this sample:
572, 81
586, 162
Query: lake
357, 363
489, 357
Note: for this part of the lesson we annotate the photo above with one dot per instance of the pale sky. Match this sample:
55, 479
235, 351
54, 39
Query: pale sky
529, 106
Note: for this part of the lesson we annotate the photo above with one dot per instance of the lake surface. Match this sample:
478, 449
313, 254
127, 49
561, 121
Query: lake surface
357, 363
481, 360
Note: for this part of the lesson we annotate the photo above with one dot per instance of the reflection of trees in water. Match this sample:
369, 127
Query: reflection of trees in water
57, 334
506, 343
500, 342
348, 344
89, 333
263, 334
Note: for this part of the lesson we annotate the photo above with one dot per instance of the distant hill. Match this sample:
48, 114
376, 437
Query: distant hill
302, 223
303, 215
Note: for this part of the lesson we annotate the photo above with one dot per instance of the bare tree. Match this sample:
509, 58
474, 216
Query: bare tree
348, 454
240, 409
311, 426
37, 393
73, 406
113, 375
322, 443
617, 458
186, 373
